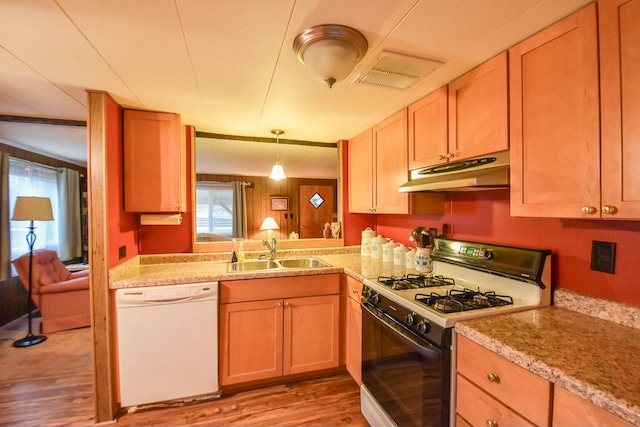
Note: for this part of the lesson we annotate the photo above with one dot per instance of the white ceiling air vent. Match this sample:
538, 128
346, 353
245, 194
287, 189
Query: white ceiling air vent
396, 71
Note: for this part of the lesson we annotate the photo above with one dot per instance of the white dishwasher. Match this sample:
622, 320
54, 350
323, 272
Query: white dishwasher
167, 342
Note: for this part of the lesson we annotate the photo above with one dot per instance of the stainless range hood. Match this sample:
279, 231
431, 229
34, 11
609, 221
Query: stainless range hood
483, 173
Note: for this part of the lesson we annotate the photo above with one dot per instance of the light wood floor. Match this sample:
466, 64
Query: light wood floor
67, 400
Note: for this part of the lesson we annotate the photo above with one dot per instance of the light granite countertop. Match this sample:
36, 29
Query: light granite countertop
159, 270
593, 358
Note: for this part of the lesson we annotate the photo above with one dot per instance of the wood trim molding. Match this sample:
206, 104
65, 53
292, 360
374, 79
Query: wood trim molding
104, 376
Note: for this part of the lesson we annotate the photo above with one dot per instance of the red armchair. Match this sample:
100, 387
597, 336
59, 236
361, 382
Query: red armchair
61, 296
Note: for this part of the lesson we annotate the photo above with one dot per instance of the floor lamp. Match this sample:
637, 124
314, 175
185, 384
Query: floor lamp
31, 209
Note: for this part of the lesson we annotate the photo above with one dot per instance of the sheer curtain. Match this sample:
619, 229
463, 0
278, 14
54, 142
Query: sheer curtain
70, 246
31, 179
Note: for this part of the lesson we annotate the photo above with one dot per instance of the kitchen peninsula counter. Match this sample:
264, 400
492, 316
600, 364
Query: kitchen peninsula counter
158, 270
594, 358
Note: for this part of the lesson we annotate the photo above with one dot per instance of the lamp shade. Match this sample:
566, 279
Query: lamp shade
330, 51
269, 224
32, 209
277, 172
330, 59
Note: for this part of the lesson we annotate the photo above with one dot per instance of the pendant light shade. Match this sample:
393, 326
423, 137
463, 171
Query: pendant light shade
277, 173
330, 51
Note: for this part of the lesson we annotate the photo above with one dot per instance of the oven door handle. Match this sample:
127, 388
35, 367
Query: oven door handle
424, 348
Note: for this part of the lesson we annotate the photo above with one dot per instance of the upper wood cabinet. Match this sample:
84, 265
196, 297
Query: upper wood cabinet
428, 130
154, 162
361, 172
468, 118
478, 111
555, 133
378, 165
620, 108
391, 168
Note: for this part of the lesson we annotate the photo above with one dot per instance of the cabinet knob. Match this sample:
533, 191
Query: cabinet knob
450, 155
588, 209
492, 423
176, 207
279, 304
441, 157
355, 291
286, 304
494, 378
606, 209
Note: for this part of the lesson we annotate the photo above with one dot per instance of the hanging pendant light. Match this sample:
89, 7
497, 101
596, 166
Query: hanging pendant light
277, 172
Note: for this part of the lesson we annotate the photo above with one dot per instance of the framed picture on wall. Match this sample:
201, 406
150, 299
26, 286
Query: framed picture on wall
279, 203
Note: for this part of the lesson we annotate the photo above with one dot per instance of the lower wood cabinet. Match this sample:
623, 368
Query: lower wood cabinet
353, 335
572, 410
494, 391
275, 327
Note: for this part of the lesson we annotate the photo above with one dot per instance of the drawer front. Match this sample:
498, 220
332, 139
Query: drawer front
477, 408
525, 392
278, 288
354, 288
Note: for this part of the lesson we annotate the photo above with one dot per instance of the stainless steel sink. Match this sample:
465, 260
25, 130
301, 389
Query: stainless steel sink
302, 263
252, 265
270, 264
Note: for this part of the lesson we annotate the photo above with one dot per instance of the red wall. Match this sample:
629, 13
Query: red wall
484, 217
121, 225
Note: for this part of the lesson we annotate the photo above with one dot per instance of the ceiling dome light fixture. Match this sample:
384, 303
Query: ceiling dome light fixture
277, 172
330, 51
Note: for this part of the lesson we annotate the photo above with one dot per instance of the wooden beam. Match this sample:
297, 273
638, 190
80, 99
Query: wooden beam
42, 121
266, 140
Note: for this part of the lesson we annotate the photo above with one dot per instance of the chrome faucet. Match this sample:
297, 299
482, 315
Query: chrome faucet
273, 247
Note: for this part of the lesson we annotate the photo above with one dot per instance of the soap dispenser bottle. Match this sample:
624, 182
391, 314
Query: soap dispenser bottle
234, 257
241, 253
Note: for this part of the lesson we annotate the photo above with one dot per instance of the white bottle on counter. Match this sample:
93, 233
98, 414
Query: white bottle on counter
376, 246
365, 243
387, 251
399, 255
410, 259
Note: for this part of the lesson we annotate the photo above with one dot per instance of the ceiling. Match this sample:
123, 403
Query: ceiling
228, 67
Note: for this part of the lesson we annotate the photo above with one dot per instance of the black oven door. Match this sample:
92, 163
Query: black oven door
406, 375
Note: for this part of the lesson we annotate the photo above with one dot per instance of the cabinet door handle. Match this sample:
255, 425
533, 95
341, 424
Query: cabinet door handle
492, 423
494, 378
588, 209
606, 209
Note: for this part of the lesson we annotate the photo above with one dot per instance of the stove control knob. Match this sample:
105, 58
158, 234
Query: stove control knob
409, 319
374, 298
488, 254
424, 326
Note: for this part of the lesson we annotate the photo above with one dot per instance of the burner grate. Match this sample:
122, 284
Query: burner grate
414, 281
457, 300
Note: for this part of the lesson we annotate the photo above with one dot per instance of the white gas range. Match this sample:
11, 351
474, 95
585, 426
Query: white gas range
408, 322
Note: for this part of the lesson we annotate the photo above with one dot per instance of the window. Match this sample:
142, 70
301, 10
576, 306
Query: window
31, 179
214, 208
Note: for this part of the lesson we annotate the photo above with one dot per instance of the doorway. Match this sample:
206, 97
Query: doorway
317, 207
